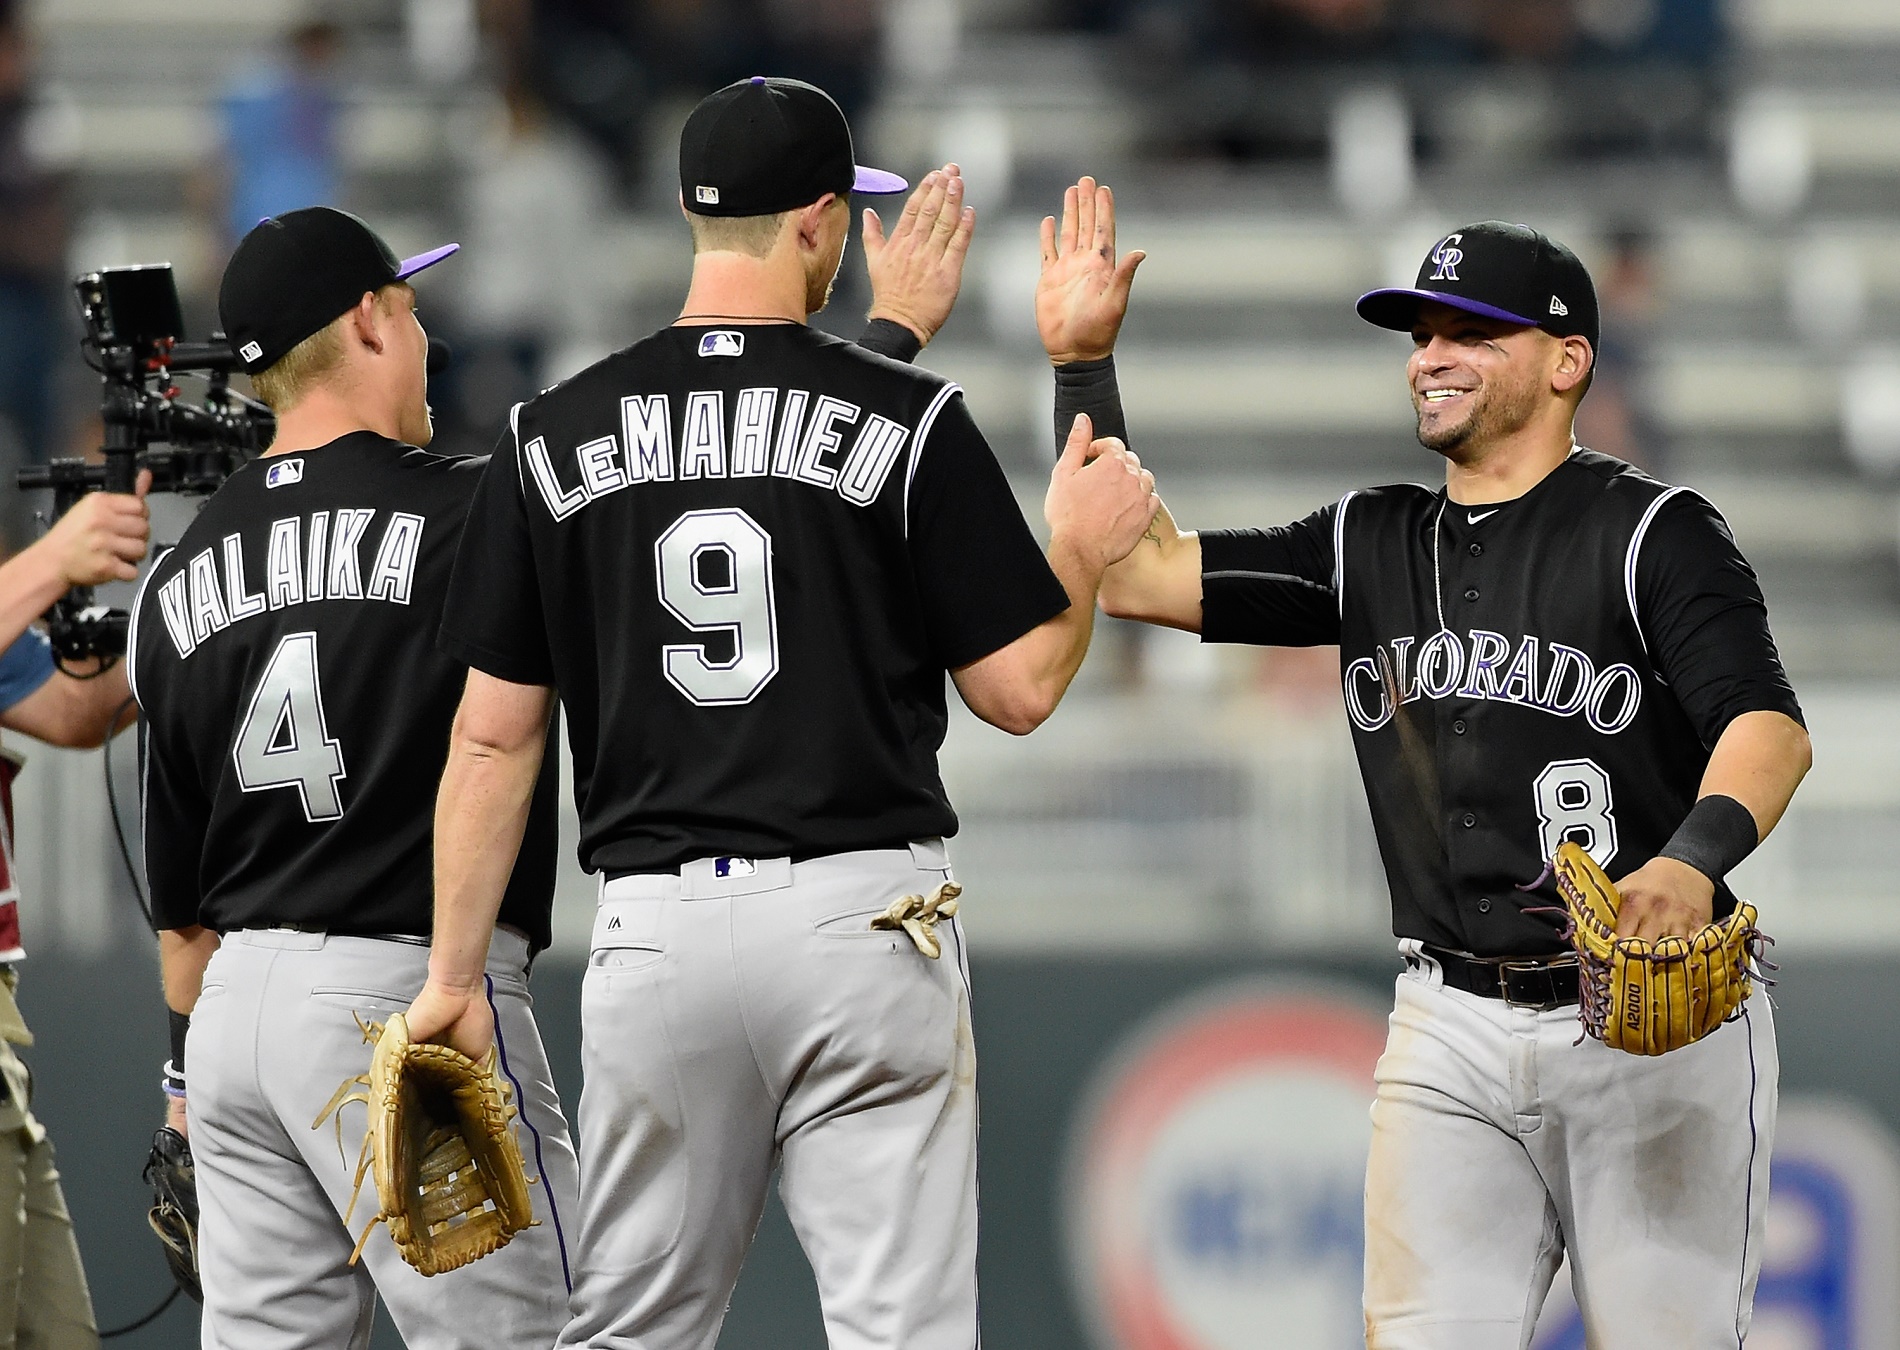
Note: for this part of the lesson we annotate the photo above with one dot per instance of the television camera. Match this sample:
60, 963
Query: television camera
134, 340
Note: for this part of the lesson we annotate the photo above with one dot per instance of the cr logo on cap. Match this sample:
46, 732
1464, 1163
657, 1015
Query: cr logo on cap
708, 195
1448, 257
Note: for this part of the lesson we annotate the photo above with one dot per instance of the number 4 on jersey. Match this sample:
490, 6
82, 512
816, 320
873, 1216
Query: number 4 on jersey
284, 740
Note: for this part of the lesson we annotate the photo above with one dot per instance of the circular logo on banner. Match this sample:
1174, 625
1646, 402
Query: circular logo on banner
1217, 1175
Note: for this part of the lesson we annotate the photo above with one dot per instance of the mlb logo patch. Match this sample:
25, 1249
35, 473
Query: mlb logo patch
734, 867
708, 195
284, 473
722, 342
250, 351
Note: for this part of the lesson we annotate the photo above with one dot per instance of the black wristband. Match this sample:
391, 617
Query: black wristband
1714, 837
1089, 387
888, 337
181, 1023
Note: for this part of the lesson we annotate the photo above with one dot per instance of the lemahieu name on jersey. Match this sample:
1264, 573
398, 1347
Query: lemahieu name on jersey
318, 557
784, 433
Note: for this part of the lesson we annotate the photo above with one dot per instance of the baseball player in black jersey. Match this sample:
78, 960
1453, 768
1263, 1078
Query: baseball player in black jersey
745, 554
1552, 646
297, 711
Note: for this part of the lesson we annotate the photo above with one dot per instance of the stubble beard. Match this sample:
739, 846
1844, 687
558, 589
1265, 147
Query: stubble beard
1495, 413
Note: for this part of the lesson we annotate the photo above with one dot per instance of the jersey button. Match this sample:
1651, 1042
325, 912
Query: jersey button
1469, 820
1471, 593
1477, 549
1484, 906
1458, 727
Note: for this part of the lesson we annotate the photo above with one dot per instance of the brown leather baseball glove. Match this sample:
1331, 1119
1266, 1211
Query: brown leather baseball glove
1651, 998
449, 1177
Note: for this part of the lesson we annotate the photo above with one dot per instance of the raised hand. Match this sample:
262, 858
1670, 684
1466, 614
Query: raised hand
1083, 294
917, 270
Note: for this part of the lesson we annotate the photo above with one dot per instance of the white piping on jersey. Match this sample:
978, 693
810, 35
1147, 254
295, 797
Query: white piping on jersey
1339, 551
924, 425
514, 425
132, 628
1629, 561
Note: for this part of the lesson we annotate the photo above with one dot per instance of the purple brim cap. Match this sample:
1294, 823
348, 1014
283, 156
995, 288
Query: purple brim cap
1396, 307
410, 266
877, 181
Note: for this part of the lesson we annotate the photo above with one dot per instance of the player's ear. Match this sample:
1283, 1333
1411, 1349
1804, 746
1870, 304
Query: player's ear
1574, 365
363, 325
811, 222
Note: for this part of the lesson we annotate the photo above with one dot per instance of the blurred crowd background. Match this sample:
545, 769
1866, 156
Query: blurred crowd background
1730, 170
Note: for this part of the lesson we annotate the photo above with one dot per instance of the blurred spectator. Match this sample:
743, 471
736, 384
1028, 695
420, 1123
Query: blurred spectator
608, 64
33, 239
1616, 417
532, 305
279, 132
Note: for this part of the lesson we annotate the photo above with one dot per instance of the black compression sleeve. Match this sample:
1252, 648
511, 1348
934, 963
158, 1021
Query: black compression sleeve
887, 337
1089, 387
1714, 837
180, 1024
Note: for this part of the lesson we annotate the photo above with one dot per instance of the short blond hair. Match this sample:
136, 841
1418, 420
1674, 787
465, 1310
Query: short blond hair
754, 236
306, 364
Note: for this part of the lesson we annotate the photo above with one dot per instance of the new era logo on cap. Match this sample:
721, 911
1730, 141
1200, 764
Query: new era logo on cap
722, 342
283, 473
1558, 307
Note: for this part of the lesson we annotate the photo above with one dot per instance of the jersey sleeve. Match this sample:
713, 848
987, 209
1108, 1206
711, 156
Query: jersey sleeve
493, 618
1272, 588
1704, 620
25, 665
175, 816
982, 577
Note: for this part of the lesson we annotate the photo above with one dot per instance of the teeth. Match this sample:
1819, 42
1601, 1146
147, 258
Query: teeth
1439, 395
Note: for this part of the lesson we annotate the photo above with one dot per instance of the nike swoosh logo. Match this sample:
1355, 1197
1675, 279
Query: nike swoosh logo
1482, 515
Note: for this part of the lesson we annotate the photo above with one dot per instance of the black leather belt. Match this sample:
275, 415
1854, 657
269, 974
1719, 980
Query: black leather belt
1540, 982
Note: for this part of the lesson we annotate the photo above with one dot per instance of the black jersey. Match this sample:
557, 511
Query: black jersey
746, 557
1516, 674
296, 707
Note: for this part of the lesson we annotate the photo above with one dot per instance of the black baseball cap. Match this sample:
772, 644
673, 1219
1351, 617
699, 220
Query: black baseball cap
294, 273
761, 146
1502, 271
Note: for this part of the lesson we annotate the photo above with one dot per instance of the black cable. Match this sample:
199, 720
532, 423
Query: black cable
118, 827
138, 890
151, 1316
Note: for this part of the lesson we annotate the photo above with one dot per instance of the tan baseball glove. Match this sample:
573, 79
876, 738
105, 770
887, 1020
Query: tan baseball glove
1651, 998
441, 1142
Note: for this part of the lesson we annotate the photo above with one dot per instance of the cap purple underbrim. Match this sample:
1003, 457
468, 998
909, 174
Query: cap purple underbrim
411, 266
1388, 308
877, 181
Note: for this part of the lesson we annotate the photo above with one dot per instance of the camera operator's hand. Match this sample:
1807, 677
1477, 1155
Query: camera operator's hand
102, 538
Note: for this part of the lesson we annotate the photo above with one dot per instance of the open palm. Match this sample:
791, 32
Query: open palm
1082, 295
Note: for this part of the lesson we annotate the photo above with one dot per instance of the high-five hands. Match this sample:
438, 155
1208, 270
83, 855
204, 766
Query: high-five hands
1082, 296
917, 271
1100, 501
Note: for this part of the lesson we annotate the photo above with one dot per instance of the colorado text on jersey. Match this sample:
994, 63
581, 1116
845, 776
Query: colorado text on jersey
1446, 667
304, 561
803, 448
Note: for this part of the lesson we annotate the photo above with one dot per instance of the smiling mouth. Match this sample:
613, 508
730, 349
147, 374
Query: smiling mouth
1442, 395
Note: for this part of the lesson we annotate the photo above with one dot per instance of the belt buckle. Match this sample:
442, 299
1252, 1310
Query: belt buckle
1544, 968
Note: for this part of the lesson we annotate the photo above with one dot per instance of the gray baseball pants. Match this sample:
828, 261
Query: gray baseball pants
742, 1013
274, 1032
